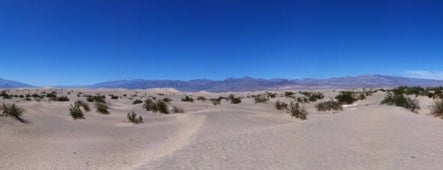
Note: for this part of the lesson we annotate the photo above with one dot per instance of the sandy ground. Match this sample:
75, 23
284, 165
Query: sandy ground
366, 135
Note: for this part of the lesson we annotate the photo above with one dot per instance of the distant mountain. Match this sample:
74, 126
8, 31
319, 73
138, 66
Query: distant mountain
253, 84
12, 84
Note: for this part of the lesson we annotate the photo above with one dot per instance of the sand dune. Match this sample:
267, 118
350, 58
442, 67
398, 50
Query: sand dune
366, 135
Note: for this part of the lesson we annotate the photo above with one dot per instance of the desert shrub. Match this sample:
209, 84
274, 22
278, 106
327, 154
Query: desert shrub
156, 106
312, 96
216, 101
302, 100
102, 107
261, 99
328, 105
52, 95
177, 110
137, 101
281, 105
76, 112
167, 100
346, 97
187, 99
297, 111
236, 100
62, 99
98, 98
402, 101
83, 104
201, 98
14, 111
114, 97
162, 107
149, 105
132, 117
21, 96
362, 96
437, 109
272, 95
28, 99
289, 93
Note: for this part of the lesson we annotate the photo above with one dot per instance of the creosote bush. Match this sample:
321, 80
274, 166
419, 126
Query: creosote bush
13, 111
83, 104
261, 99
297, 111
76, 112
187, 99
437, 109
328, 105
402, 101
216, 101
346, 97
312, 96
102, 107
236, 100
177, 110
201, 98
132, 117
281, 105
137, 101
156, 106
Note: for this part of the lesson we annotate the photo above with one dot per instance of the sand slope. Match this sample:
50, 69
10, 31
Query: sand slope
245, 136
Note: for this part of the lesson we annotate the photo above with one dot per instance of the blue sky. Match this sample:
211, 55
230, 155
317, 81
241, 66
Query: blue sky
64, 42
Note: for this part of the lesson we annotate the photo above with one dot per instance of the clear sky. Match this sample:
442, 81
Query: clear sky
64, 42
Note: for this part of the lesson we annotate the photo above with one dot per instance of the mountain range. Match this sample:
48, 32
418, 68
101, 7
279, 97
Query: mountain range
253, 84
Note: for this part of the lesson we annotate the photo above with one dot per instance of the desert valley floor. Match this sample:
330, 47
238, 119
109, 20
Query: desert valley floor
248, 135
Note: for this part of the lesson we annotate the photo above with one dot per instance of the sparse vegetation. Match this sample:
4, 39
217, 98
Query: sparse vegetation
177, 110
297, 111
346, 97
62, 99
132, 117
312, 96
102, 107
328, 106
158, 106
83, 104
261, 99
76, 112
236, 100
289, 93
201, 98
216, 101
13, 111
402, 101
437, 109
187, 99
281, 105
137, 101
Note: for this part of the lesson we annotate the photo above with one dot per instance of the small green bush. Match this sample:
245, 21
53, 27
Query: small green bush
132, 117
201, 98
346, 97
328, 105
102, 107
187, 99
216, 101
76, 112
167, 100
271, 95
114, 97
261, 99
62, 99
437, 109
162, 107
14, 111
298, 112
289, 93
177, 110
83, 104
236, 100
137, 101
281, 105
402, 101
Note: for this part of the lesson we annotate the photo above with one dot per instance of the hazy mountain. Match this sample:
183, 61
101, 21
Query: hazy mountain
251, 84
12, 84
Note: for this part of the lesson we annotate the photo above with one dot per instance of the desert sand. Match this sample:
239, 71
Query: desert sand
248, 135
